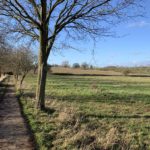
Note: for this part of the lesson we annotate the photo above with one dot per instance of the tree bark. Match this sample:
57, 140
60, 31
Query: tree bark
16, 81
34, 70
42, 70
40, 92
42, 60
21, 80
0, 72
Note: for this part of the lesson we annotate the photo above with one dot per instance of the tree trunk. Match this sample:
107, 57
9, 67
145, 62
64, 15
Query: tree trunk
42, 72
42, 60
34, 70
21, 80
40, 92
0, 72
16, 81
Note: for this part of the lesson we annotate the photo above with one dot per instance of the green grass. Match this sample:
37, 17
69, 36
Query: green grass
91, 113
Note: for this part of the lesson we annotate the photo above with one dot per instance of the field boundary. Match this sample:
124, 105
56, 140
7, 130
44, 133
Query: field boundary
72, 74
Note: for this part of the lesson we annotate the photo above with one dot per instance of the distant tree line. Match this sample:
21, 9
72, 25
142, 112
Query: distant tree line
124, 70
128, 70
66, 64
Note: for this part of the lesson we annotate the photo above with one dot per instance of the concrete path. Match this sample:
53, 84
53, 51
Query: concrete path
13, 132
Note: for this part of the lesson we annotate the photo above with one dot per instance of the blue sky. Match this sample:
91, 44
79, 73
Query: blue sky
132, 48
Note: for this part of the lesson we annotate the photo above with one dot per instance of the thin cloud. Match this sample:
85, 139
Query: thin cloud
139, 24
140, 63
145, 63
137, 53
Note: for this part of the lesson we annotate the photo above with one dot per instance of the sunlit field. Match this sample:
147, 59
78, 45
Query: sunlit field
88, 112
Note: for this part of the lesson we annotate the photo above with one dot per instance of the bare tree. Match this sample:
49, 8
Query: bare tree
84, 65
21, 63
46, 20
65, 64
5, 52
2, 53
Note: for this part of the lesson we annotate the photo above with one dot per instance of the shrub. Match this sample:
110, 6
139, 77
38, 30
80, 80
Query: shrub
65, 64
84, 65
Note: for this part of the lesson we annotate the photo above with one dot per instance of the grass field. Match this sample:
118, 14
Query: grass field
91, 113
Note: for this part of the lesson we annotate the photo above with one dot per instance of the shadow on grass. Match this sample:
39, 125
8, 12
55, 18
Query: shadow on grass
29, 94
109, 98
28, 126
32, 95
119, 116
103, 97
48, 110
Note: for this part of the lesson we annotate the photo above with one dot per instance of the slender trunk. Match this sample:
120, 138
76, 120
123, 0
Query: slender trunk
0, 72
16, 81
34, 70
21, 81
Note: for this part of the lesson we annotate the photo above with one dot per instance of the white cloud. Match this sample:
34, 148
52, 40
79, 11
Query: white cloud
139, 24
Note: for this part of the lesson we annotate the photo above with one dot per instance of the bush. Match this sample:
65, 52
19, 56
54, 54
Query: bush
84, 65
91, 67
